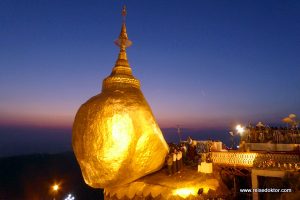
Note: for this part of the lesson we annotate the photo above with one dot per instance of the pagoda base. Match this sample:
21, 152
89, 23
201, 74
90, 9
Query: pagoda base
188, 184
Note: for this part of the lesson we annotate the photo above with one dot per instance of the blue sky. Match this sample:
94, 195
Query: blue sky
202, 64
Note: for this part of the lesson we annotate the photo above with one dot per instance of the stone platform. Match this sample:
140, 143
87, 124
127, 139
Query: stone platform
183, 185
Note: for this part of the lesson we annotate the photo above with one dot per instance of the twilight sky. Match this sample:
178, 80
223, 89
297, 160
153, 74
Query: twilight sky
202, 64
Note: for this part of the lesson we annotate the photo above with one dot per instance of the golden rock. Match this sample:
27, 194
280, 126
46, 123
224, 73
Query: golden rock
116, 139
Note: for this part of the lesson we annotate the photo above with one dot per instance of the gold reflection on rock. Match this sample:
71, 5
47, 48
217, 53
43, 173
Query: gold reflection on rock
116, 139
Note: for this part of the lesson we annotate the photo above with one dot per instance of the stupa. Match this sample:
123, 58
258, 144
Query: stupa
116, 138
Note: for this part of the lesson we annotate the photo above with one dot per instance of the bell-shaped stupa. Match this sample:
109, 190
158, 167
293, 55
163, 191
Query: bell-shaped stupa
116, 139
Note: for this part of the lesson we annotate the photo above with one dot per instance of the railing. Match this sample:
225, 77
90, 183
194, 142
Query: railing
277, 161
234, 158
260, 160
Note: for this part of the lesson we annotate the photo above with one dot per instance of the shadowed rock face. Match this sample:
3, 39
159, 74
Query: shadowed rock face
116, 139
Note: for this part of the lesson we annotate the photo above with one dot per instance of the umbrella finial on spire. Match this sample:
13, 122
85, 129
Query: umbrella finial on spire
123, 41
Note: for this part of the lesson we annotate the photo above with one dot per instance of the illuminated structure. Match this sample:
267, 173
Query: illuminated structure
116, 139
267, 157
261, 138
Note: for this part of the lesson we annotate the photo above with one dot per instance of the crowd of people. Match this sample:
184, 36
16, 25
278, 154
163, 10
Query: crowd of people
174, 159
186, 153
265, 134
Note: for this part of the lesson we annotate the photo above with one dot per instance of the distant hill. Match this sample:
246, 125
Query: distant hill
30, 177
31, 140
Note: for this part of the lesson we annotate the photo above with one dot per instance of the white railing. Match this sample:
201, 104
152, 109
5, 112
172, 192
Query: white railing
234, 158
248, 159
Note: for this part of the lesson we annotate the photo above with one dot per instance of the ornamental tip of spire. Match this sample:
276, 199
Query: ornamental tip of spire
124, 13
123, 41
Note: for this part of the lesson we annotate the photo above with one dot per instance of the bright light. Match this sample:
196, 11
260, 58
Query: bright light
55, 187
185, 192
69, 197
240, 129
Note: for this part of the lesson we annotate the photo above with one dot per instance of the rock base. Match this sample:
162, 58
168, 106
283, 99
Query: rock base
188, 184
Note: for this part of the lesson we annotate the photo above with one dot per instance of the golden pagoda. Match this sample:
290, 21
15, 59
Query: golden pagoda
116, 138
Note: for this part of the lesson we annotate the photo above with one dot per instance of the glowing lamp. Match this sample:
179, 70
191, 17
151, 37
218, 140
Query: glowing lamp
55, 187
240, 129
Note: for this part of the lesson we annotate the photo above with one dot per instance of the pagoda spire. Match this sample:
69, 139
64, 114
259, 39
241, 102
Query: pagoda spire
123, 42
121, 75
